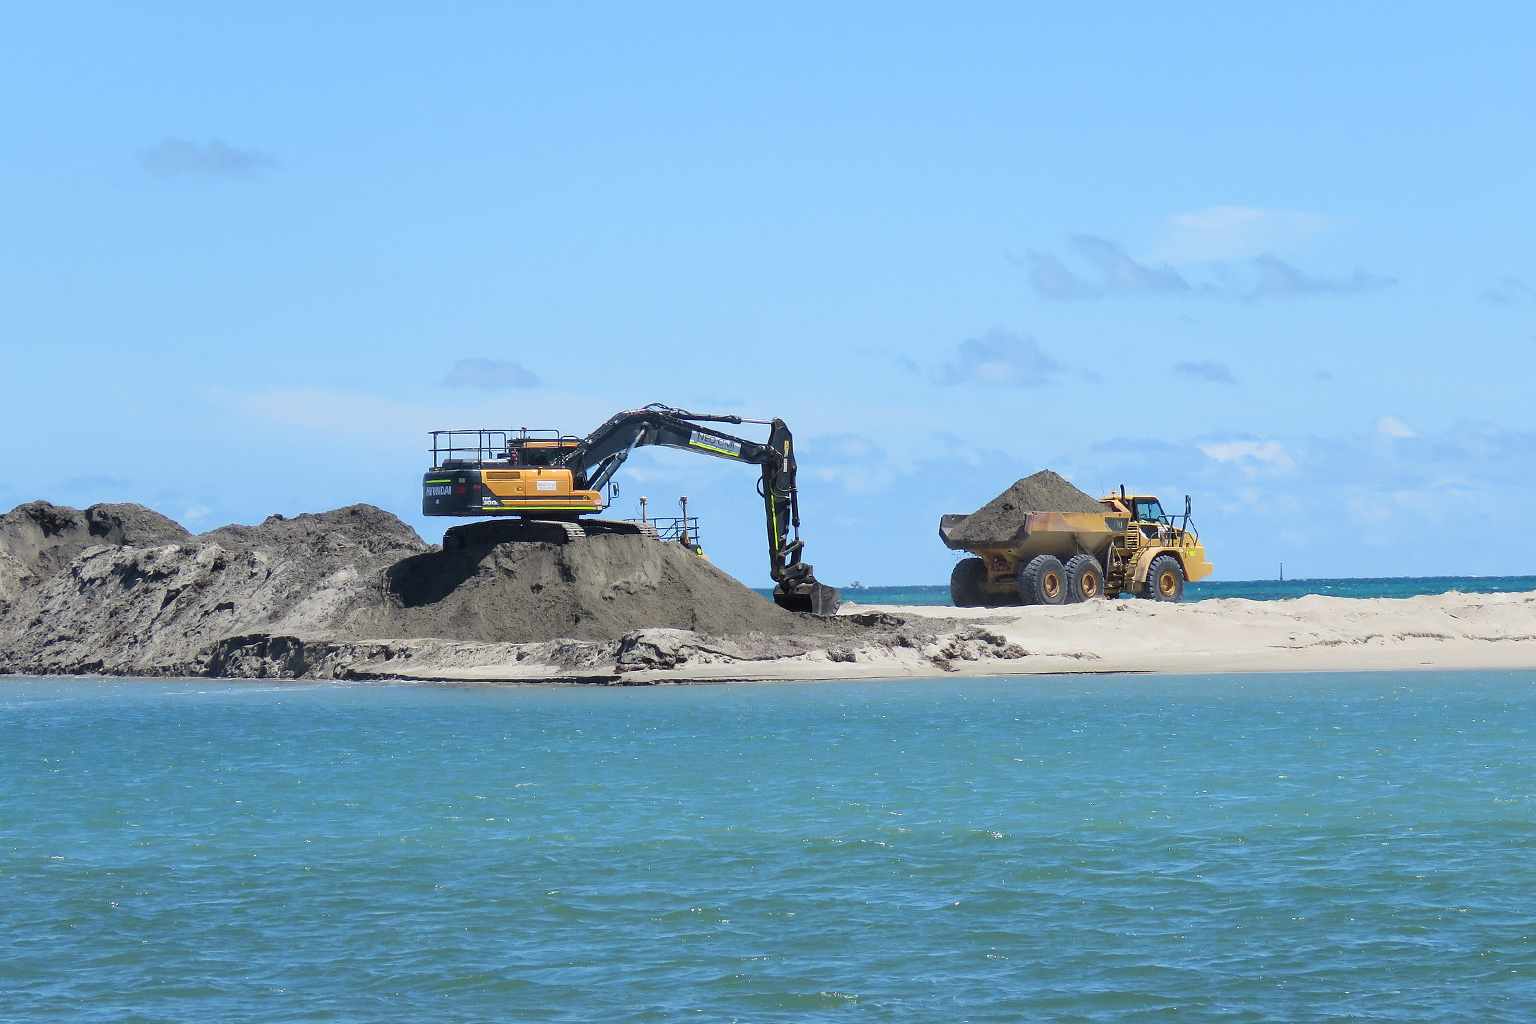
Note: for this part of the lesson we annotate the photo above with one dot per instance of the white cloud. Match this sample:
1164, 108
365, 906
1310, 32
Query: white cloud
1249, 454
1344, 505
999, 358
490, 375
1392, 427
1235, 232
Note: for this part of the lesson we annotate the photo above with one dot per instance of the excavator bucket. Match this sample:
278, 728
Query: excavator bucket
815, 598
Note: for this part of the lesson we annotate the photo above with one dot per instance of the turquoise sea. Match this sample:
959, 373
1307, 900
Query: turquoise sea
1253, 590
1289, 848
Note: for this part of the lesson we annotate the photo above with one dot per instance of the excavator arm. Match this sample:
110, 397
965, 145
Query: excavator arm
594, 461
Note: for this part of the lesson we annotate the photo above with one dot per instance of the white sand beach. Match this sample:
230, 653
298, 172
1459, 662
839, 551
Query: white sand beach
1443, 631
1313, 633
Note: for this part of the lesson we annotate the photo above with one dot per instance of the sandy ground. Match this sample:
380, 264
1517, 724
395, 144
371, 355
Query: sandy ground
1315, 633
1309, 634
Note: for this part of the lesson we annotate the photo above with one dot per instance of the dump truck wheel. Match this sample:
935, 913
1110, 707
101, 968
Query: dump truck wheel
1085, 579
1165, 579
1043, 580
965, 583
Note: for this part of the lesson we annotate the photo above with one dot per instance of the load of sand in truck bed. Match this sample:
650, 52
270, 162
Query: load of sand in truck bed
999, 520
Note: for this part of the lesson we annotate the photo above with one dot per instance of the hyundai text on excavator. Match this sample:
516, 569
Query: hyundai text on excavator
552, 480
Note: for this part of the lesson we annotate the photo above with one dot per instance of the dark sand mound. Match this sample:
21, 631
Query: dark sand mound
999, 520
45, 538
147, 598
152, 609
497, 587
351, 530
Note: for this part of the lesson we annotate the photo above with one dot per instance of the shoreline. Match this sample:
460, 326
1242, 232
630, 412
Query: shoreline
1450, 631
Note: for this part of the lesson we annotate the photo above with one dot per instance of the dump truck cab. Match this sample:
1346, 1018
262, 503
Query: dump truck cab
1157, 553
1147, 509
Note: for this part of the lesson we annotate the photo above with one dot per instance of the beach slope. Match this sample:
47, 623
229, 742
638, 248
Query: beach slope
1442, 631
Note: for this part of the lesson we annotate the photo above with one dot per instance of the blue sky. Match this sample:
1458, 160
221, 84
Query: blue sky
1277, 257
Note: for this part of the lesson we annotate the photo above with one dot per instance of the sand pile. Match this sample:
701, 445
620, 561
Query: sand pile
38, 539
152, 609
121, 589
492, 583
999, 520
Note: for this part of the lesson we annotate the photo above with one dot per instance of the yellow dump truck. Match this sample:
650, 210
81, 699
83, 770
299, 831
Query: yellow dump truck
1132, 547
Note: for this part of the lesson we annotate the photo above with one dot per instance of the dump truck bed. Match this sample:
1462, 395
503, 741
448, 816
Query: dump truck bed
1062, 534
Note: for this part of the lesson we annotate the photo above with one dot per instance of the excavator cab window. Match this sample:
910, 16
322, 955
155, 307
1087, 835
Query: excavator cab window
1149, 510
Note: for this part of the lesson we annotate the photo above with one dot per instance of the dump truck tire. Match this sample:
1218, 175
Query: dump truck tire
965, 583
1165, 579
1085, 578
1043, 580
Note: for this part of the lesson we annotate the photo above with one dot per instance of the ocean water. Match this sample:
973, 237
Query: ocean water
1244, 848
1253, 590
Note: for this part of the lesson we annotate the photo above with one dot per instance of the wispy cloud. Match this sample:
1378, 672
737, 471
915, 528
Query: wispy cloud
1235, 232
1110, 270
851, 461
1509, 289
1279, 279
1096, 267
331, 412
1378, 490
1252, 457
176, 158
1216, 373
998, 358
490, 375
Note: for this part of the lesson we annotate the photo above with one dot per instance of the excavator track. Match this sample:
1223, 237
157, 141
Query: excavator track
512, 531
620, 527
572, 531
555, 531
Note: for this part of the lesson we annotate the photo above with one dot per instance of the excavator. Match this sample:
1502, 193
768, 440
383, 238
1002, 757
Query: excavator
550, 481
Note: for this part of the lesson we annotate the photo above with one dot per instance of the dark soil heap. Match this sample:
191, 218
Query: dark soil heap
122, 589
151, 609
46, 537
999, 520
498, 588
38, 539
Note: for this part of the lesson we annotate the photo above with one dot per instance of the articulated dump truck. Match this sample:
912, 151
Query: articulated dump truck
1131, 547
